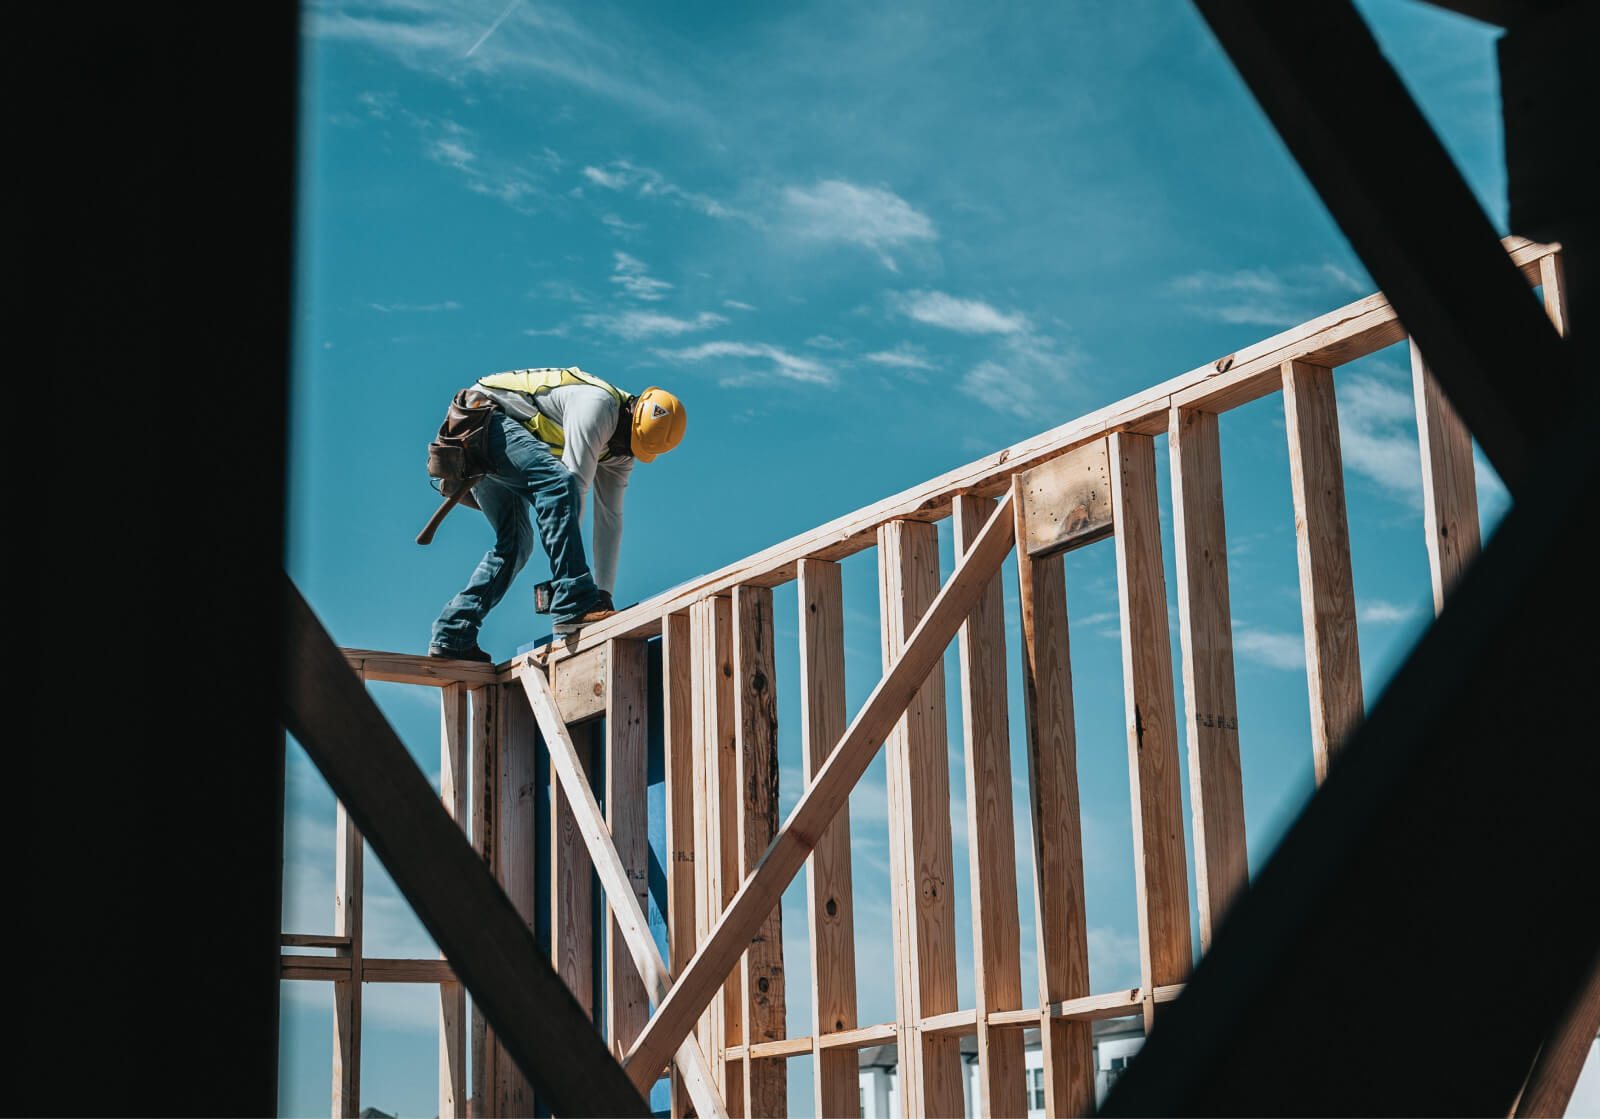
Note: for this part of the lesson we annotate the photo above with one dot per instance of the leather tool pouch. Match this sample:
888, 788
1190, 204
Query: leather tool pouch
458, 455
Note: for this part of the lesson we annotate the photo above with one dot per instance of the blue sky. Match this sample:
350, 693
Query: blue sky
865, 244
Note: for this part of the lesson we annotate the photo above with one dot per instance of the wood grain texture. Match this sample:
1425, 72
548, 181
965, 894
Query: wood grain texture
1162, 879
485, 762
1449, 487
595, 832
455, 729
1205, 630
469, 916
626, 691
410, 668
1555, 1073
919, 826
827, 795
1552, 279
1060, 925
1067, 501
1322, 545
991, 838
677, 714
829, 893
517, 844
348, 876
579, 684
755, 694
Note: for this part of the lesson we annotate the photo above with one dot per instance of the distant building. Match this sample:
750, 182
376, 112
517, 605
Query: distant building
1116, 1040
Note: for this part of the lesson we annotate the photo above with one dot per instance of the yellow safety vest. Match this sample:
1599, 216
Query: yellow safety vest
532, 382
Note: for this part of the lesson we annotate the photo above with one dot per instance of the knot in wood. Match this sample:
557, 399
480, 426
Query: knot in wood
758, 682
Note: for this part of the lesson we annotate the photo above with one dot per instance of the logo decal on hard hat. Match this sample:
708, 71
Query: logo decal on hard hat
656, 411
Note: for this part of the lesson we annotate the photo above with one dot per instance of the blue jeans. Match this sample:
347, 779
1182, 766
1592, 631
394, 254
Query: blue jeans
525, 473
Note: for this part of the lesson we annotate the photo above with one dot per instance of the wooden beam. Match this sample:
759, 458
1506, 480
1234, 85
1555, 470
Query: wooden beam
709, 637
829, 892
1062, 935
991, 838
755, 697
567, 770
919, 832
468, 915
1449, 488
1162, 879
1067, 501
335, 968
862, 1037
516, 834
1210, 706
411, 668
826, 796
626, 691
454, 734
579, 684
347, 908
1333, 339
1423, 238
379, 970
313, 940
1322, 543
485, 758
1562, 1057
678, 748
1553, 282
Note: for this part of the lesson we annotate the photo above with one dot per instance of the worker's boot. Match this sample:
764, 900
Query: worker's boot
472, 654
602, 608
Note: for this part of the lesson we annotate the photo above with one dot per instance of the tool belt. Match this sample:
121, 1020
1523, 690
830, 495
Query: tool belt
458, 457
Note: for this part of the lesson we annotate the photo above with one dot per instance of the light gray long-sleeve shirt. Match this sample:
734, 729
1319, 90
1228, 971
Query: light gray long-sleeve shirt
587, 417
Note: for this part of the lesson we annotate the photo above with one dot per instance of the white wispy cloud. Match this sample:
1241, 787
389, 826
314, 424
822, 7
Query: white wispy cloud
872, 217
736, 305
1378, 435
394, 308
1265, 297
633, 276
783, 364
1272, 648
903, 356
634, 325
967, 316
620, 175
1029, 376
621, 226
1376, 611
824, 342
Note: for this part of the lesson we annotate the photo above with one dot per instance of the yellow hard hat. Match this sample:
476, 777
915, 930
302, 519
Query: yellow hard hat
658, 423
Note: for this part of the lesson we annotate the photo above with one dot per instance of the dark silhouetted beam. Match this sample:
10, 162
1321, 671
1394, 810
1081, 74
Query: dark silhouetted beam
1387, 180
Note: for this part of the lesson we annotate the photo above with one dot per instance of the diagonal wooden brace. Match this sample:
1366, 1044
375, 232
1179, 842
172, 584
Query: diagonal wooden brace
489, 946
613, 876
829, 792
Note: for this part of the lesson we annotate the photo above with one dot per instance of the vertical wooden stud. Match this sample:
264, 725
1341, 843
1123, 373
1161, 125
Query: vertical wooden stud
1153, 771
454, 728
711, 632
347, 906
677, 712
485, 803
831, 900
766, 1081
991, 839
515, 841
1552, 279
1449, 489
919, 825
1210, 706
1322, 538
1067, 1048
627, 694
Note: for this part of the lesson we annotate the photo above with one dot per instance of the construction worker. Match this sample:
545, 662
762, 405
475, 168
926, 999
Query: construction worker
555, 435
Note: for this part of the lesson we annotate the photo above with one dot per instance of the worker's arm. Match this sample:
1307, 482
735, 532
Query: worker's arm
588, 417
610, 484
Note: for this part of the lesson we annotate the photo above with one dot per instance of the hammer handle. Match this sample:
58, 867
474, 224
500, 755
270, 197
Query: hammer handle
426, 535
